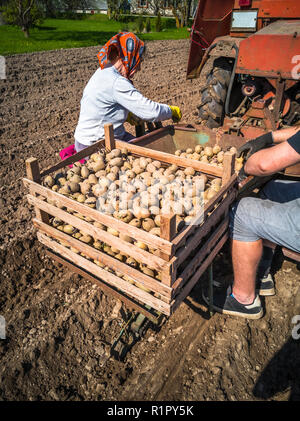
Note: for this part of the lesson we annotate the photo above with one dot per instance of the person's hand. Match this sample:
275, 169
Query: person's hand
133, 119
242, 174
255, 145
176, 113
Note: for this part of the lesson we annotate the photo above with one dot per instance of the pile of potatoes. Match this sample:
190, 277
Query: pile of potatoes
111, 180
209, 155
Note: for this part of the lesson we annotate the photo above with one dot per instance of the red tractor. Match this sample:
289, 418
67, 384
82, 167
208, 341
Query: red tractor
251, 52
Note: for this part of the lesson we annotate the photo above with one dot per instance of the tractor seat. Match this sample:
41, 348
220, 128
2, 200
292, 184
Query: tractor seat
285, 251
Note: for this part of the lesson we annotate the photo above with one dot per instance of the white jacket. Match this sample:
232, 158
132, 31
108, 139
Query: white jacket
107, 98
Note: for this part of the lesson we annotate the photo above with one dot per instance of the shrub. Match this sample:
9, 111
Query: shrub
148, 25
140, 24
158, 23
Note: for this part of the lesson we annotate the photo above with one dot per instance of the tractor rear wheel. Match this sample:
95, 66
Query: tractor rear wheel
213, 97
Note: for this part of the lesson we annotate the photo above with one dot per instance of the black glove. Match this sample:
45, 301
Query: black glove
255, 145
242, 175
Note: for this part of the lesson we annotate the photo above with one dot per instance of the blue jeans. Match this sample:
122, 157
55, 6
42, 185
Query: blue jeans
275, 216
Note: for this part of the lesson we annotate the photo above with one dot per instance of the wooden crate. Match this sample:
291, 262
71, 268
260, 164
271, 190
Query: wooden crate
196, 244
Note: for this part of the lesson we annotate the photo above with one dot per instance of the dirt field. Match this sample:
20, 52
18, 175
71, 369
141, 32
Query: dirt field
59, 326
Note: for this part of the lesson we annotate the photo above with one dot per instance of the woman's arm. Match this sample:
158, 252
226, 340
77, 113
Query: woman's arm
130, 98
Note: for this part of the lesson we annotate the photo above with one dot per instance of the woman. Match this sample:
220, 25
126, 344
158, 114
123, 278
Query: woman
110, 96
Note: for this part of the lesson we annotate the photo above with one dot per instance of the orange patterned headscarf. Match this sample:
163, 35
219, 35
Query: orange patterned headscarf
129, 47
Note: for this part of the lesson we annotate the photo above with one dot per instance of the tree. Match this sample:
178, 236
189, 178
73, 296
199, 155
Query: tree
181, 11
156, 5
23, 13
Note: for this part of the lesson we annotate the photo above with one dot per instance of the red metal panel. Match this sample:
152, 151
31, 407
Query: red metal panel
212, 20
270, 52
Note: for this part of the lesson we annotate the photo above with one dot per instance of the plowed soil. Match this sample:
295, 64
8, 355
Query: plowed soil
59, 327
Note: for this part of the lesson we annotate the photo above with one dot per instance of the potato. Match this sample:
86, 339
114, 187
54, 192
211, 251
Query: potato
216, 149
140, 213
147, 271
208, 151
132, 262
135, 223
157, 164
126, 238
107, 249
118, 162
198, 148
148, 224
189, 151
75, 178
84, 172
97, 244
178, 152
81, 198
155, 231
151, 168
49, 181
85, 187
137, 169
98, 165
56, 222
189, 171
69, 229
91, 202
64, 190
120, 257
113, 231
125, 215
76, 168
141, 245
74, 187
86, 239
220, 156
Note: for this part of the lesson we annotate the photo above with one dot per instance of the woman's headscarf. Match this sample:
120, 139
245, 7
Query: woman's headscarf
129, 47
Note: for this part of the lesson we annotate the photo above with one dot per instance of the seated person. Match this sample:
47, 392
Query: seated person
275, 216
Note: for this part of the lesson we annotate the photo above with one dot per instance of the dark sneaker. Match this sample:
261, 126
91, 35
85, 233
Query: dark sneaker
265, 286
225, 303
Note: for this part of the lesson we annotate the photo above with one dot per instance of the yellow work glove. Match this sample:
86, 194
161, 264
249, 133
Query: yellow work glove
133, 119
176, 113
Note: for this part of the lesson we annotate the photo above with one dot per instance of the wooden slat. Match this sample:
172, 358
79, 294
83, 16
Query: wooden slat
74, 158
101, 235
192, 282
107, 220
204, 250
180, 239
170, 159
108, 277
195, 240
107, 260
107, 289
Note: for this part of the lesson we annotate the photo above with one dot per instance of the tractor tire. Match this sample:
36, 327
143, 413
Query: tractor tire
212, 107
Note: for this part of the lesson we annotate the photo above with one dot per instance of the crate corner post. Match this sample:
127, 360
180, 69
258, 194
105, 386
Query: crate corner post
33, 174
110, 142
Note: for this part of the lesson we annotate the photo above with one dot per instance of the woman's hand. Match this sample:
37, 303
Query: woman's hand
176, 113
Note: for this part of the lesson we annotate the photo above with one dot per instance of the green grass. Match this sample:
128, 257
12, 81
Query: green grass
55, 34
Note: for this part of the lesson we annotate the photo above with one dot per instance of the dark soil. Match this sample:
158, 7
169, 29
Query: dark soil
59, 327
